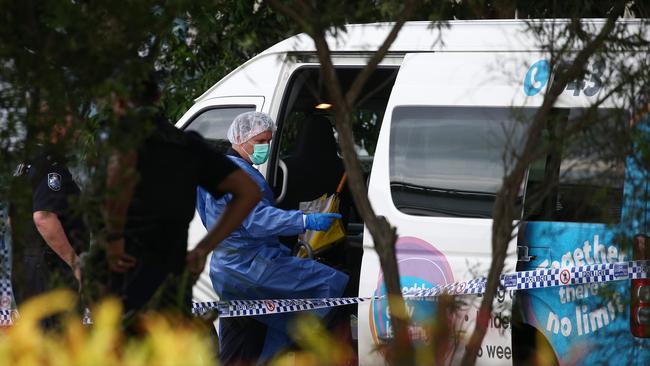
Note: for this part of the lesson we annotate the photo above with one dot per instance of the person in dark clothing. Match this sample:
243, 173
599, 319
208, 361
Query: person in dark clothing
153, 195
48, 233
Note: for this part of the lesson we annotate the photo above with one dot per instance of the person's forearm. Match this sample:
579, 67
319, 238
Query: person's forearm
50, 228
268, 220
121, 180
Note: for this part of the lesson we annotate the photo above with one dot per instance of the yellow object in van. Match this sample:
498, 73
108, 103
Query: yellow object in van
320, 240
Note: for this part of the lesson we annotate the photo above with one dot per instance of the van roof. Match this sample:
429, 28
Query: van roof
423, 36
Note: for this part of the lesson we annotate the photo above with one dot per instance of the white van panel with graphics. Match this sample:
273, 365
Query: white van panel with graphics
452, 123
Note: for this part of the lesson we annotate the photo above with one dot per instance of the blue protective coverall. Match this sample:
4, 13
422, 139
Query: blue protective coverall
252, 264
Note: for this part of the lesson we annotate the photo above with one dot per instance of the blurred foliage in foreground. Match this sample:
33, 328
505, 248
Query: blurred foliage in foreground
166, 342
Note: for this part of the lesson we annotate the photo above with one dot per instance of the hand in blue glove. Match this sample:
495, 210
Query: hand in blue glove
320, 221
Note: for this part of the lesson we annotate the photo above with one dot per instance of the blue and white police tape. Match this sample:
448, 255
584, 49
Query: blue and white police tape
6, 317
523, 280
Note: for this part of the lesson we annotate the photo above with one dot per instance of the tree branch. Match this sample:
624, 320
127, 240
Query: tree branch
376, 58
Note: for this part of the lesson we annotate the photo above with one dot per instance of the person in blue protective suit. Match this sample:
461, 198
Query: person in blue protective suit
252, 263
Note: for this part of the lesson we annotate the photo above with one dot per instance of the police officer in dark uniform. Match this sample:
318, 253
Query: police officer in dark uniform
48, 233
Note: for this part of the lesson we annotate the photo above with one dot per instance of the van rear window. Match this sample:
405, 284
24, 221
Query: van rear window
449, 161
581, 177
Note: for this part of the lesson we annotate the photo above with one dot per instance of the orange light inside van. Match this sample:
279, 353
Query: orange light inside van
323, 106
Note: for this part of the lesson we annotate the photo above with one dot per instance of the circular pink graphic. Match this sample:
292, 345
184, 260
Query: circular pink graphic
421, 266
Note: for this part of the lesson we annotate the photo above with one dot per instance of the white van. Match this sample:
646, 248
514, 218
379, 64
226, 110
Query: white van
431, 128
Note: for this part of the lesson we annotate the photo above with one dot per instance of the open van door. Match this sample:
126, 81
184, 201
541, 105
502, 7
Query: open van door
212, 118
449, 133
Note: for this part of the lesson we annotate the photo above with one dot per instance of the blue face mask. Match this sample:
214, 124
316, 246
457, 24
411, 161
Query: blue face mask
260, 154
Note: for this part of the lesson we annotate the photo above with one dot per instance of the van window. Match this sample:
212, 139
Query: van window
449, 161
581, 178
306, 90
213, 124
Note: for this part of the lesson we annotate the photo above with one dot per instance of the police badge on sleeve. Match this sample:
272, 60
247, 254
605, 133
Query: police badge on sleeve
54, 181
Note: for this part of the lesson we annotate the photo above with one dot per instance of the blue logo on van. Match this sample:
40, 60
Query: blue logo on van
536, 77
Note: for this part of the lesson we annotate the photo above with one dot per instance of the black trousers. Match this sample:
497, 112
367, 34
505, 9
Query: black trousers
241, 340
35, 274
151, 286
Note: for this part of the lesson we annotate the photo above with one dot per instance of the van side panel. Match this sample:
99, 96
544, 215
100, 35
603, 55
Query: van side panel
433, 249
460, 244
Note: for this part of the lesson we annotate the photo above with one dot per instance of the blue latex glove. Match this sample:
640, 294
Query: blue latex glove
320, 221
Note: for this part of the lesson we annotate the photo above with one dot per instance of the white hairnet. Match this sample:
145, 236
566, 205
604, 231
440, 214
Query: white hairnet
248, 125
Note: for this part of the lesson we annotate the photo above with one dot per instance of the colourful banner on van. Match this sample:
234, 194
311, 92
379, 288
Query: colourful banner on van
585, 323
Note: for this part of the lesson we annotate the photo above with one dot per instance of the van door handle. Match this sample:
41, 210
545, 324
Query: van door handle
285, 179
522, 254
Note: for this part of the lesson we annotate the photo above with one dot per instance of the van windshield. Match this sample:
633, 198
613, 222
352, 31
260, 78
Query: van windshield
449, 161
